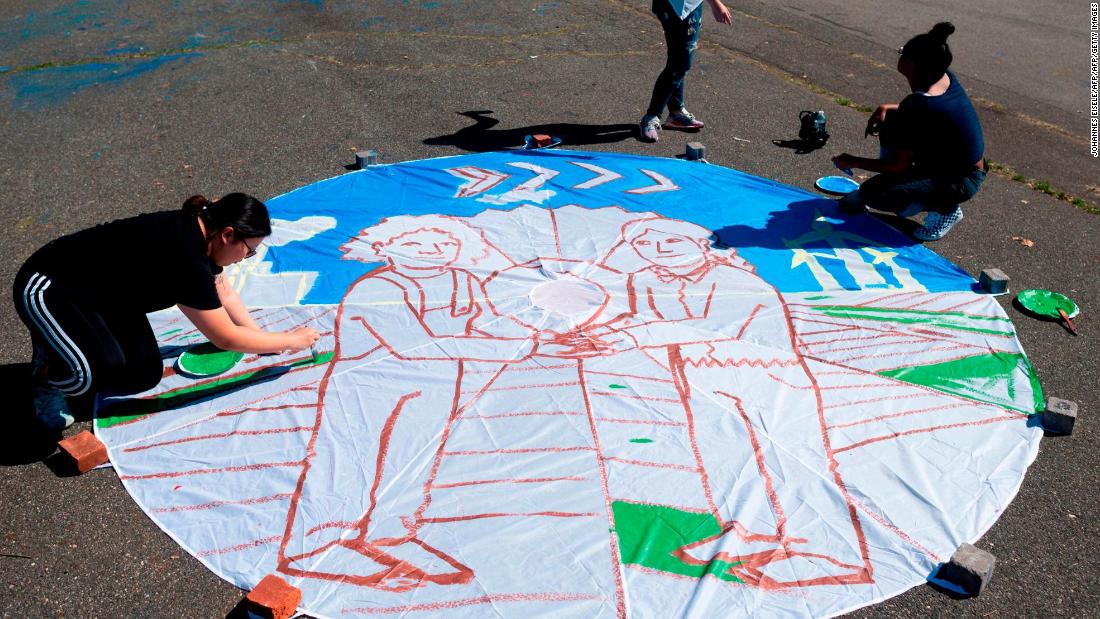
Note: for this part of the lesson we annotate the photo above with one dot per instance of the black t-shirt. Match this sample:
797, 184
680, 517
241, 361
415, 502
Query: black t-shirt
942, 131
146, 263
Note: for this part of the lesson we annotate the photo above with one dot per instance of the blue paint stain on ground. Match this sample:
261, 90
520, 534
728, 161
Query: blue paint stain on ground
212, 34
81, 15
118, 51
53, 86
543, 9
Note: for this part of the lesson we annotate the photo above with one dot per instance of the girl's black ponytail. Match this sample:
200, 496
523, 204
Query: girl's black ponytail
246, 215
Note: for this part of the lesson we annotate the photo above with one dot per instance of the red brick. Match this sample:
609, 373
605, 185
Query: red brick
541, 139
275, 596
86, 451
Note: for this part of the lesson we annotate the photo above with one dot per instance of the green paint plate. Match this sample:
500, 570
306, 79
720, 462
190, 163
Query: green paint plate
1047, 303
206, 360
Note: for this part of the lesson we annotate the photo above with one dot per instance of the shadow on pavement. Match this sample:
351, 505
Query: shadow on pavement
481, 136
800, 147
22, 441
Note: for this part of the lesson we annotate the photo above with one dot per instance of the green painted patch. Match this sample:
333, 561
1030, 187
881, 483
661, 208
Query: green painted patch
960, 321
977, 378
649, 534
207, 359
616, 386
641, 440
127, 410
173, 331
819, 297
1047, 303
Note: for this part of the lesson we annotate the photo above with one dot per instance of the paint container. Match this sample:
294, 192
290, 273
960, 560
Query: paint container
812, 127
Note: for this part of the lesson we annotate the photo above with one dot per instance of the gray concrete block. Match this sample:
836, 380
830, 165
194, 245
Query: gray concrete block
366, 158
994, 281
970, 569
695, 151
1059, 416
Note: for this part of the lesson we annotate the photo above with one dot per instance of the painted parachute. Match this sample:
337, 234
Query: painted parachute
587, 385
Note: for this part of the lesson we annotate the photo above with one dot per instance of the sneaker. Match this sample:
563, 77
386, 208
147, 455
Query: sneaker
684, 121
936, 225
51, 408
648, 128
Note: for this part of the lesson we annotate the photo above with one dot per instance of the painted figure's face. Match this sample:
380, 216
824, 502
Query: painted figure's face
668, 249
422, 249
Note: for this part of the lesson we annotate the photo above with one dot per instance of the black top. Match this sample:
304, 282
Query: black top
942, 131
148, 263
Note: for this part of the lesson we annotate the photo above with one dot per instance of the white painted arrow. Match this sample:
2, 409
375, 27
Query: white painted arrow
603, 175
478, 180
527, 191
663, 183
544, 174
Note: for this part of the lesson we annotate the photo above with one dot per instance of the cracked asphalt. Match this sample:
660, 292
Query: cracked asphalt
110, 108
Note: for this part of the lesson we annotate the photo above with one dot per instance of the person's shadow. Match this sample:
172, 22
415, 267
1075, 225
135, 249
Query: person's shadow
23, 440
482, 136
801, 216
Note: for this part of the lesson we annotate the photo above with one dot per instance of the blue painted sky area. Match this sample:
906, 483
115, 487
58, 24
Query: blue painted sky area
51, 86
762, 219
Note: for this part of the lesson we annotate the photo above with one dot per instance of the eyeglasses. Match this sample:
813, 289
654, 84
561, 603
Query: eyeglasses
251, 250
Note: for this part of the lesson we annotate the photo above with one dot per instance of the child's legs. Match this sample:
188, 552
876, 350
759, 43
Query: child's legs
681, 40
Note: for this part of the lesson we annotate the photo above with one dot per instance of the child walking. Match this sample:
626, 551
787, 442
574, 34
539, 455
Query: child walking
680, 20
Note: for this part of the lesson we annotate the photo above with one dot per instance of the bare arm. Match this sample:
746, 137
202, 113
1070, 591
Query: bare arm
878, 118
721, 13
899, 161
224, 333
233, 304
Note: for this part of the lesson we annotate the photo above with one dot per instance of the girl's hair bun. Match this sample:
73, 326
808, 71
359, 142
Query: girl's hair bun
195, 204
942, 30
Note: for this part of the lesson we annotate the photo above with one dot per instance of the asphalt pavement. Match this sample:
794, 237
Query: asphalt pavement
110, 108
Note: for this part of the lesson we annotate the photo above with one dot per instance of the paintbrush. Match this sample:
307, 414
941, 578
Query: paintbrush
1069, 323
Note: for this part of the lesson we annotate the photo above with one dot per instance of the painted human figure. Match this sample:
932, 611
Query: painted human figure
726, 337
378, 433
